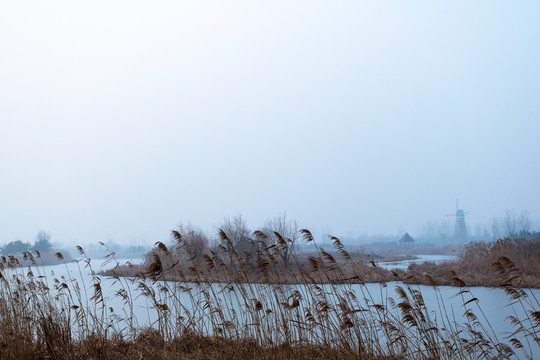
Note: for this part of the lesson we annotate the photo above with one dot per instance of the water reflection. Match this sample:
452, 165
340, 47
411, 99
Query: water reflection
404, 264
444, 303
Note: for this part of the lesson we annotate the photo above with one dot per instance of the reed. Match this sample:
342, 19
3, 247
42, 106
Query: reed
226, 304
474, 264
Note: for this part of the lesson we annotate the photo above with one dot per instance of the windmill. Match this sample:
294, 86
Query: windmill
460, 231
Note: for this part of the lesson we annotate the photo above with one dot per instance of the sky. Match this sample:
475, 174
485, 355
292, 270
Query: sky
121, 119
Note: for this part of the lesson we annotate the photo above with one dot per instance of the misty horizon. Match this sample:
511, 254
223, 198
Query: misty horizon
118, 121
440, 232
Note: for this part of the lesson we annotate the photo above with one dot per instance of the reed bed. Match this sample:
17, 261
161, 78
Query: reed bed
475, 264
254, 311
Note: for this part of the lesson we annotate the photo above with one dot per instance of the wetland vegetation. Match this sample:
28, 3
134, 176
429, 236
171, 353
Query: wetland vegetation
267, 301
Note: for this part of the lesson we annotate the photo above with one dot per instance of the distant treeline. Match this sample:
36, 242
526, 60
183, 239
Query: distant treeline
42, 243
511, 225
269, 255
102, 249
17, 252
492, 263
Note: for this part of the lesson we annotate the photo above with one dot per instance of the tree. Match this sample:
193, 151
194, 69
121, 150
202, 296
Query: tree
435, 229
524, 223
510, 223
236, 235
495, 228
15, 247
512, 226
192, 240
42, 242
283, 233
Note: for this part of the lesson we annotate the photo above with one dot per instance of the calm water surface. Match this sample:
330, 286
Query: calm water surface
404, 264
493, 302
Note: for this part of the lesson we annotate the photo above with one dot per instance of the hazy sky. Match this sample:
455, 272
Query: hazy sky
119, 119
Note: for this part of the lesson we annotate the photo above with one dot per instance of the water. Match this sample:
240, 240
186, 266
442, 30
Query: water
493, 302
404, 264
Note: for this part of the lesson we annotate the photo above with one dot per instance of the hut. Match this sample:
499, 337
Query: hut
406, 240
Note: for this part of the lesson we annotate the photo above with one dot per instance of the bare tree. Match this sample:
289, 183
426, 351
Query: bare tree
236, 234
495, 228
524, 223
510, 223
283, 233
512, 226
436, 229
192, 241
478, 230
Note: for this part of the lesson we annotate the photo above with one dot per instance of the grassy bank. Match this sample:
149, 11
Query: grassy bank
476, 265
496, 263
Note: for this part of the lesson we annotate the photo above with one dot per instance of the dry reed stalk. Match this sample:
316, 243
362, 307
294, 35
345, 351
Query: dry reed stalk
222, 300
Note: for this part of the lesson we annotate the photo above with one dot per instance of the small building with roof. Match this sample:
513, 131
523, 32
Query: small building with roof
406, 240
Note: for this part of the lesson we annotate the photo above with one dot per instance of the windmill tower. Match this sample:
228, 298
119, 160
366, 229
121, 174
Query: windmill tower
460, 230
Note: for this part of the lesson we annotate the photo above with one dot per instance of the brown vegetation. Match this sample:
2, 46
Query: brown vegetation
264, 264
150, 345
250, 313
477, 262
28, 258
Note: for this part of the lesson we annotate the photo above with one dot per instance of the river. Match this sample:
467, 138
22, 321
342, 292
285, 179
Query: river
495, 305
403, 264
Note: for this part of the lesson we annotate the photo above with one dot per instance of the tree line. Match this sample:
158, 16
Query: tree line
42, 243
234, 235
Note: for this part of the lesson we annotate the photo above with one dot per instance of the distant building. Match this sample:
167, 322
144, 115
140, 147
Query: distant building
460, 230
406, 240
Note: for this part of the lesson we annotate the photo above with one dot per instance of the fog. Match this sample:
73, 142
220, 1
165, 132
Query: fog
119, 120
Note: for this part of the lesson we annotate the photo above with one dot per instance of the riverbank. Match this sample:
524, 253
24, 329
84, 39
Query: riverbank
479, 264
151, 345
59, 311
69, 311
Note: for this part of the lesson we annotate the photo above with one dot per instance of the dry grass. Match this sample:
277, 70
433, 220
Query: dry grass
150, 345
251, 313
476, 265
27, 258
